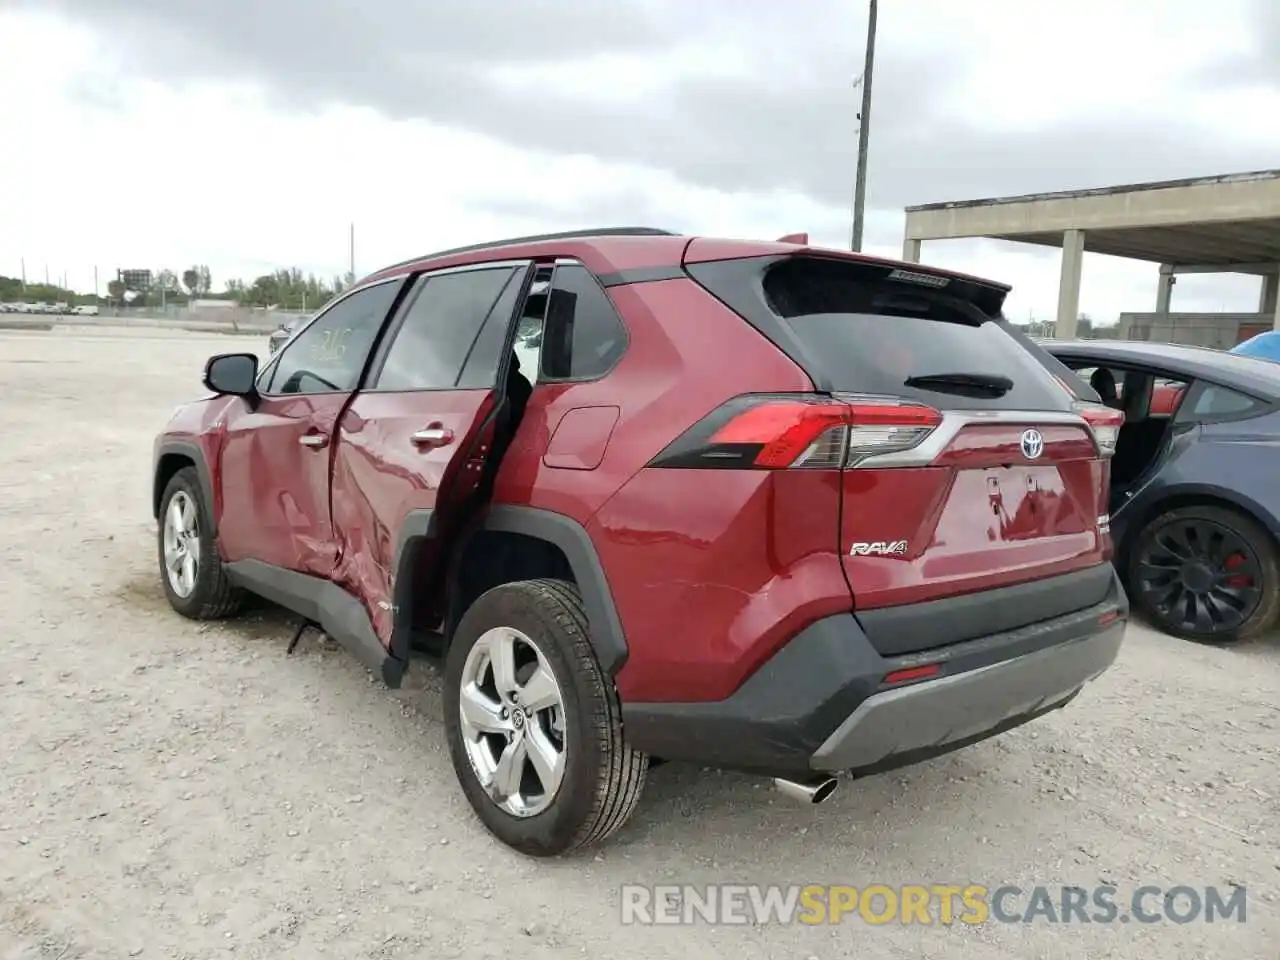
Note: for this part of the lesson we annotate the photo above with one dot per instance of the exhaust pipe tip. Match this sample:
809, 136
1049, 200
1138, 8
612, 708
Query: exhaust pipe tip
807, 791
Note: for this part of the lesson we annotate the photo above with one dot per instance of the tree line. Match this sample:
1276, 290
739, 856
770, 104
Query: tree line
291, 289
1087, 328
286, 289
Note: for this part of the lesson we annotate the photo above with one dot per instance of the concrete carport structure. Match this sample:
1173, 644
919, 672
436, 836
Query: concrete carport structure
1226, 224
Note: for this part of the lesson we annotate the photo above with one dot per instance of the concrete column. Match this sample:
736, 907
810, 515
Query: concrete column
1164, 292
1267, 298
911, 251
1069, 284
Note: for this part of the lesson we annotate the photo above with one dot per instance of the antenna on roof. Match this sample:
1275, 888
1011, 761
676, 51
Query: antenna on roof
800, 238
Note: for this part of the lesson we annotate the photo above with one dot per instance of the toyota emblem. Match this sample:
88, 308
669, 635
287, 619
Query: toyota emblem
1032, 444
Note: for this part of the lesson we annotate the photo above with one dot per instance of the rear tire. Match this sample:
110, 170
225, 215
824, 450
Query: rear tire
600, 777
195, 581
1206, 574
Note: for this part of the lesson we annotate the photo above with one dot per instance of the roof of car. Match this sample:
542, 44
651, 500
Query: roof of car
1265, 345
1201, 363
642, 247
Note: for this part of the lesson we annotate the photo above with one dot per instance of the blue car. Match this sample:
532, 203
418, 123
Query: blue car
1195, 481
1264, 346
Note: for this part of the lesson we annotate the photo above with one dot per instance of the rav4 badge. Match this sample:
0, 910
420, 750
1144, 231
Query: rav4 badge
880, 548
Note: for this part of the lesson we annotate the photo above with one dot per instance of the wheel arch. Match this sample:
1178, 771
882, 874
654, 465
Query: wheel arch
606, 634
175, 455
565, 552
1196, 495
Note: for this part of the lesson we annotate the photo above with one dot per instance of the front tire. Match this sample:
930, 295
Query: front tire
534, 725
195, 582
1206, 574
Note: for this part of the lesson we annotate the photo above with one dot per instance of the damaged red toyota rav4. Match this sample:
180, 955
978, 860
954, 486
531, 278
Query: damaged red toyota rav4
757, 505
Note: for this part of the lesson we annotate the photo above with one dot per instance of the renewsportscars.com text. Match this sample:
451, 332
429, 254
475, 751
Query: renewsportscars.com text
929, 904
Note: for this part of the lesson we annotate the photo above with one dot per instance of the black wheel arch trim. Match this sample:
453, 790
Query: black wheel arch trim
1175, 497
416, 531
606, 634
192, 452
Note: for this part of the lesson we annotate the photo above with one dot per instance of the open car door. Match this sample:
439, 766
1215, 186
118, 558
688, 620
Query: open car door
417, 443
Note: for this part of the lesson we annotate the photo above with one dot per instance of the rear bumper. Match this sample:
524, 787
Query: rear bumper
819, 704
959, 708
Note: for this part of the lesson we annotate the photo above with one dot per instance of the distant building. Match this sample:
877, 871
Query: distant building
138, 280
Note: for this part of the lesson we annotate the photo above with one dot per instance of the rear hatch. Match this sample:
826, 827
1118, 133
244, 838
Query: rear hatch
968, 469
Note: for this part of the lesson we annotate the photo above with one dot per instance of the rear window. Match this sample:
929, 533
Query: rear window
871, 333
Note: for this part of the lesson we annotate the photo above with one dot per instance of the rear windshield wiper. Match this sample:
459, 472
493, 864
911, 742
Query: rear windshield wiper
978, 385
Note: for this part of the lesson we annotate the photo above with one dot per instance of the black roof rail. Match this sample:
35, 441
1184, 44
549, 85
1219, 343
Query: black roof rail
539, 238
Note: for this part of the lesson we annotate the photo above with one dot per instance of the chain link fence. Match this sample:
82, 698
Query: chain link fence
255, 319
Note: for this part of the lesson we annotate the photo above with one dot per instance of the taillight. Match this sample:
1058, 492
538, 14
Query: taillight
774, 432
1105, 424
887, 426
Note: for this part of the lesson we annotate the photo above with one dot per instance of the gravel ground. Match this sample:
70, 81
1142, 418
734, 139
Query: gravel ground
169, 789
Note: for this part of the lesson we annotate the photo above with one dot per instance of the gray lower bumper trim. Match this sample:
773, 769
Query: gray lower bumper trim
952, 709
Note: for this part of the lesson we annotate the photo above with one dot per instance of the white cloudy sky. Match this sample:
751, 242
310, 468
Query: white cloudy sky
248, 134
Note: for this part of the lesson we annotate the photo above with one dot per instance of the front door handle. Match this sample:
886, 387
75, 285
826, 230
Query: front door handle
435, 435
315, 440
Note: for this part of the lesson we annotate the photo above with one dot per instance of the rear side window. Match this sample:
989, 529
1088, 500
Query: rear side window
1215, 401
872, 334
582, 336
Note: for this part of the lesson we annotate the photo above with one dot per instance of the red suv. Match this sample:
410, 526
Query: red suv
763, 506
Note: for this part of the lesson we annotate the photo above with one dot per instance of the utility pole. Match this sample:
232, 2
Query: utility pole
24, 275
864, 131
352, 248
95, 284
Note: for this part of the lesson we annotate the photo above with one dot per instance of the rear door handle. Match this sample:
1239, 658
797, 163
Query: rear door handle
315, 440
435, 435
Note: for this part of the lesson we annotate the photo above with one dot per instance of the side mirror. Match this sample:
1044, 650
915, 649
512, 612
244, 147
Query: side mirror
232, 374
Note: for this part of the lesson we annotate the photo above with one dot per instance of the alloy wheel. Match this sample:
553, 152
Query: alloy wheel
182, 544
512, 721
1200, 576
